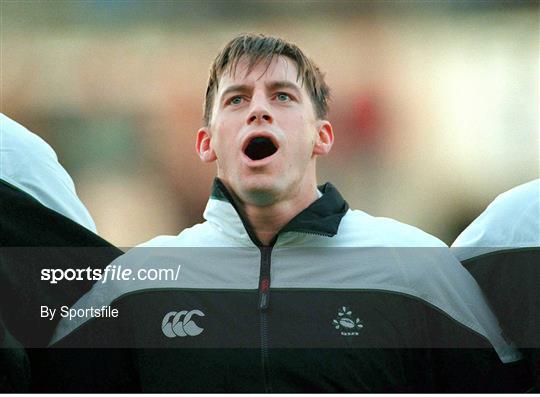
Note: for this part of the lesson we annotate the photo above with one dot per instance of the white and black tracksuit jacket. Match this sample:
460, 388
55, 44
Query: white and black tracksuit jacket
339, 302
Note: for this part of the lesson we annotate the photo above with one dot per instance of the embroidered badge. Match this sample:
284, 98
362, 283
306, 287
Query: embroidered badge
346, 323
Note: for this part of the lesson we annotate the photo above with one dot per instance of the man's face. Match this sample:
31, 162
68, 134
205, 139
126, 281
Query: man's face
264, 133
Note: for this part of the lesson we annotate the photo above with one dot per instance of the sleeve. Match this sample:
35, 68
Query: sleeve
509, 279
466, 363
469, 350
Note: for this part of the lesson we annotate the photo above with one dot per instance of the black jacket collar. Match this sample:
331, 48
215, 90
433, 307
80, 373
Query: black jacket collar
322, 217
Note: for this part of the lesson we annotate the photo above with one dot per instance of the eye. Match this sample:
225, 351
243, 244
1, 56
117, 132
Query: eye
235, 100
283, 97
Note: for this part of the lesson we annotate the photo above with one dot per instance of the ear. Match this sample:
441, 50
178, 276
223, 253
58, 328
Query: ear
204, 147
325, 138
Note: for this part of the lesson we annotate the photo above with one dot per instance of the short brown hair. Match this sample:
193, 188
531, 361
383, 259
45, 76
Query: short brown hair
258, 48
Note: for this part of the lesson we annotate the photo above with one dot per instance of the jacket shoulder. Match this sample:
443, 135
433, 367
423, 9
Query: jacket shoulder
199, 235
359, 228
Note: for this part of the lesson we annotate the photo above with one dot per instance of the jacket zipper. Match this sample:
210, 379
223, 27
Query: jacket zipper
264, 276
264, 302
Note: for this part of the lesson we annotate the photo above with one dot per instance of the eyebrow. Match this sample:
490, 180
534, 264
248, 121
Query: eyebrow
284, 84
235, 88
273, 85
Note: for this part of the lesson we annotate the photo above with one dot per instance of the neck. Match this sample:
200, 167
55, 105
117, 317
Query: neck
266, 220
269, 220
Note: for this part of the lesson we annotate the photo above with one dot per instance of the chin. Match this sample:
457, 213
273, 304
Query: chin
260, 189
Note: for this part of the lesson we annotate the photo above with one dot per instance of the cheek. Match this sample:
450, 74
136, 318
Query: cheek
220, 137
226, 129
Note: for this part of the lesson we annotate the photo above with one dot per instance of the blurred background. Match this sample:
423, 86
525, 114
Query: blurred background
435, 104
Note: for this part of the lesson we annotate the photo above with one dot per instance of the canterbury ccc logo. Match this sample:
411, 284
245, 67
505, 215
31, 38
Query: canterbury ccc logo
180, 324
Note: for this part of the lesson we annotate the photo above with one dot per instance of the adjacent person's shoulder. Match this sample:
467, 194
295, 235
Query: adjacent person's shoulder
384, 232
525, 192
512, 220
516, 205
30, 164
15, 132
19, 145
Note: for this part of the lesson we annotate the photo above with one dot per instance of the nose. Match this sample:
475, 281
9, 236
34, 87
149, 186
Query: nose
259, 113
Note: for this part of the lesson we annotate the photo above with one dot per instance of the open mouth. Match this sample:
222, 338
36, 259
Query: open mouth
259, 148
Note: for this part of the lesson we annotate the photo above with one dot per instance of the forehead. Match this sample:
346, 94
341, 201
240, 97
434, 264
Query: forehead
281, 68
